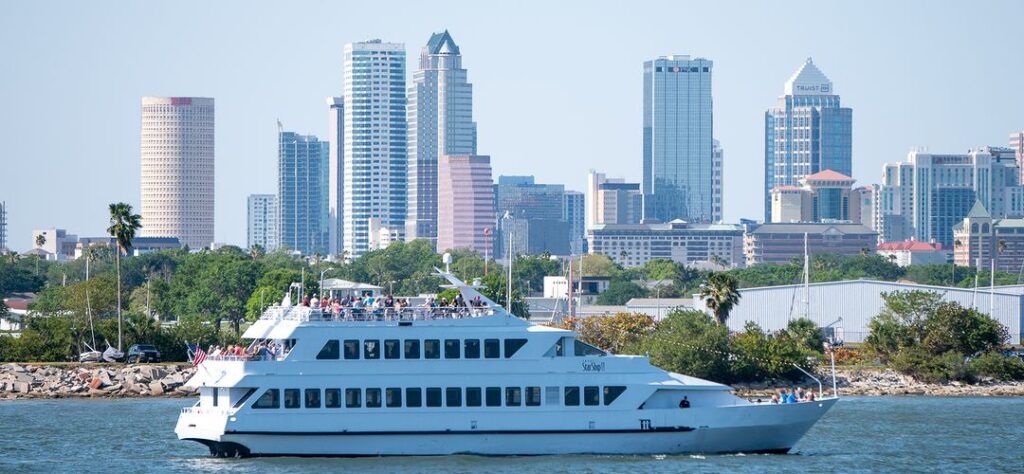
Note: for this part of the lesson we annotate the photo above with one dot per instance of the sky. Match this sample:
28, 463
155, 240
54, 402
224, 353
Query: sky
557, 85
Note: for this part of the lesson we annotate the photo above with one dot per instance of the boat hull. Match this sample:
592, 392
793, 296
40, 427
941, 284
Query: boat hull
758, 435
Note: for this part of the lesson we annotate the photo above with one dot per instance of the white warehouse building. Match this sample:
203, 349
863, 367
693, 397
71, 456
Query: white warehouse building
856, 302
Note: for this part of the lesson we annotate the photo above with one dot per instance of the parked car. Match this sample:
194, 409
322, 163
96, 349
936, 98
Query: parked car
142, 353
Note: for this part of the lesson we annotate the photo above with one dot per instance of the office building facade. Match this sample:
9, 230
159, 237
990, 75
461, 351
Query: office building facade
678, 146
178, 169
302, 193
375, 163
718, 182
465, 205
980, 239
335, 175
633, 245
440, 123
924, 197
783, 242
825, 196
612, 201
534, 216
807, 132
262, 221
575, 214
3, 226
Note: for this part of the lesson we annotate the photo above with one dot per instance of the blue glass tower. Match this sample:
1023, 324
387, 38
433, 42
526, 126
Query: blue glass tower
807, 132
678, 144
302, 192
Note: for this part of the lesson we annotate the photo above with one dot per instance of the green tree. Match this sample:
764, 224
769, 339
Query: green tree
953, 328
613, 333
619, 292
688, 342
495, 287
123, 225
720, 294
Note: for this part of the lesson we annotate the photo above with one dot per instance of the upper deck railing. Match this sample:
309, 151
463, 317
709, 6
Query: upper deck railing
351, 314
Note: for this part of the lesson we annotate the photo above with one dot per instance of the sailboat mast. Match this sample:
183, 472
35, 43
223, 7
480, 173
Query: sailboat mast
807, 279
508, 290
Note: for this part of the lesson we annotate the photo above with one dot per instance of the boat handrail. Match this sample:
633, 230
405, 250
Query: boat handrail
343, 314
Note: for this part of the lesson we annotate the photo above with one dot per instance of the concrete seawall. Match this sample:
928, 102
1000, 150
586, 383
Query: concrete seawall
94, 380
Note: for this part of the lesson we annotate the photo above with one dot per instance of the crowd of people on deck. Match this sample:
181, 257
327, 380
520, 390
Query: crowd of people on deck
387, 307
796, 396
260, 350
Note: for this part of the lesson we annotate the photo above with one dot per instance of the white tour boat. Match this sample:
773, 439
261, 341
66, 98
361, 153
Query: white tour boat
473, 380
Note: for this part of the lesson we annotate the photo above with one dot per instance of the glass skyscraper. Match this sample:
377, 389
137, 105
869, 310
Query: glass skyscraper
375, 163
302, 192
805, 133
678, 143
440, 123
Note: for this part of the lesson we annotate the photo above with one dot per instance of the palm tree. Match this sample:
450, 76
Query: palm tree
40, 240
720, 293
256, 252
123, 225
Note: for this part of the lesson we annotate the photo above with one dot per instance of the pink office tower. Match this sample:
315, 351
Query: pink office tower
465, 203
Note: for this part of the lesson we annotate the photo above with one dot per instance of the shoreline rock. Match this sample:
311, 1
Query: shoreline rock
887, 382
42, 381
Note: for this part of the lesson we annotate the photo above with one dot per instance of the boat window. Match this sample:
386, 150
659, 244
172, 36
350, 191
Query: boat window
451, 349
332, 398
512, 346
513, 396
473, 396
612, 392
552, 396
572, 396
492, 348
471, 348
291, 398
216, 395
583, 349
432, 349
241, 401
312, 398
393, 397
371, 349
351, 348
413, 397
560, 347
353, 398
433, 396
591, 396
392, 349
373, 398
270, 399
412, 348
555, 350
453, 397
533, 396
494, 396
330, 351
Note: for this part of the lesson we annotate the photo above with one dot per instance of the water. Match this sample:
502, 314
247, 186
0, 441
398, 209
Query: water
883, 434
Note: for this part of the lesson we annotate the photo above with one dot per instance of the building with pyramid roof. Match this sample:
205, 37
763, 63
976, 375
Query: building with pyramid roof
807, 132
983, 242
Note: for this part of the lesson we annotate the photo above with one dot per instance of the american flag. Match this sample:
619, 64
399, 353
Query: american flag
198, 354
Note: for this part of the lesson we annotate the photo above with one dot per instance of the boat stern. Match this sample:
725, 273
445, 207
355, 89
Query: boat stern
206, 426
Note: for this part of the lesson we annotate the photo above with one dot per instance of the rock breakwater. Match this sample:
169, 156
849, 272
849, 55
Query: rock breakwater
867, 382
93, 380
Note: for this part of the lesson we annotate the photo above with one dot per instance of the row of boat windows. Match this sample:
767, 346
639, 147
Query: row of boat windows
413, 397
351, 349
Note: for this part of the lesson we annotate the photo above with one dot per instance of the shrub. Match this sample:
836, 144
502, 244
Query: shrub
926, 367
997, 366
688, 342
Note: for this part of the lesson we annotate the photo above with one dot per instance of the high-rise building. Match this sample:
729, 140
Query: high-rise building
678, 144
335, 175
924, 197
612, 201
807, 132
3, 226
821, 197
535, 216
1017, 145
440, 123
375, 141
178, 169
302, 192
262, 221
633, 245
465, 205
718, 185
574, 214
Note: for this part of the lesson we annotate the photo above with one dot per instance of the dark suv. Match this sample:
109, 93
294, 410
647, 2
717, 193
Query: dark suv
142, 353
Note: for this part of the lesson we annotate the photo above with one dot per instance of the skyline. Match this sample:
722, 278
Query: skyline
586, 80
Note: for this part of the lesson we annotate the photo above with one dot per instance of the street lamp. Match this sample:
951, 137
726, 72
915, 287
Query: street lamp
322, 272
